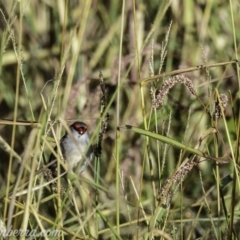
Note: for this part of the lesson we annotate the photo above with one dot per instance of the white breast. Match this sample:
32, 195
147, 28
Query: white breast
74, 149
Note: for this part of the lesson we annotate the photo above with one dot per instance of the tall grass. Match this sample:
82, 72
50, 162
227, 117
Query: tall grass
162, 78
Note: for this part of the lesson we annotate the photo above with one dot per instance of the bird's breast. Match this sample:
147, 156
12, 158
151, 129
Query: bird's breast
72, 153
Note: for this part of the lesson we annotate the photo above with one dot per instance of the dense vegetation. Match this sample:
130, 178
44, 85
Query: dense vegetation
157, 82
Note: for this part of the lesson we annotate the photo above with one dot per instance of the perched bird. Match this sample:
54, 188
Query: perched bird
76, 149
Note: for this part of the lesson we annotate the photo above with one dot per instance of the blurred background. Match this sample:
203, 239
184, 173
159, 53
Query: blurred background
53, 51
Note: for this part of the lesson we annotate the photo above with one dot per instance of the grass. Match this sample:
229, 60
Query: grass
155, 76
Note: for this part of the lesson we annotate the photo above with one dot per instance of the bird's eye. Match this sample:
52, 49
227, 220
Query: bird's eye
81, 128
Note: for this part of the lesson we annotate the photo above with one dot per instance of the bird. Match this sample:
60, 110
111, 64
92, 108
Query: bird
76, 149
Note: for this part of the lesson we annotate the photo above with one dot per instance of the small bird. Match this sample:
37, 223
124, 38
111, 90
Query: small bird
76, 149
